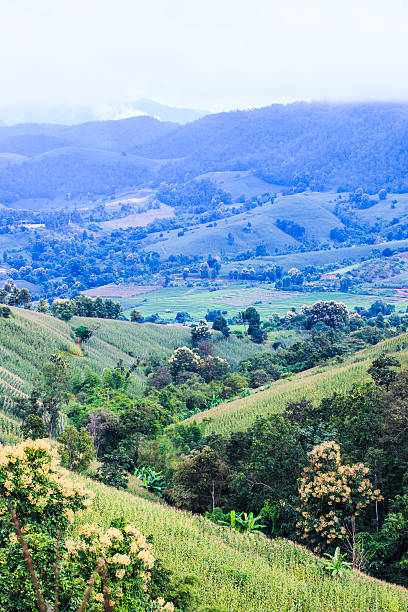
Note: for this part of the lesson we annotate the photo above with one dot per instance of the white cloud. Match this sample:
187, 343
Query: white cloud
208, 54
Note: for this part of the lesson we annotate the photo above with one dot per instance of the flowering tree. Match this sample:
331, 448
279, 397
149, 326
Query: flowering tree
333, 314
332, 495
43, 566
184, 359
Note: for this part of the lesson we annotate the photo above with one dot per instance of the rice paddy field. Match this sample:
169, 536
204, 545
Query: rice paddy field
314, 384
236, 572
235, 297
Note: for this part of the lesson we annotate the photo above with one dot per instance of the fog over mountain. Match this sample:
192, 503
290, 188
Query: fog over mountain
71, 115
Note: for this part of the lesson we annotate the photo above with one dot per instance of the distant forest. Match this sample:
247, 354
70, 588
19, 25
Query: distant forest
300, 145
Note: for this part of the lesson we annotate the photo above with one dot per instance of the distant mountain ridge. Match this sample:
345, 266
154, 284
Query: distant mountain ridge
312, 145
316, 146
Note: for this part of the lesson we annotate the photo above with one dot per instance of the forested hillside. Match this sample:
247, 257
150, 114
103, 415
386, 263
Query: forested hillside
317, 145
300, 145
239, 429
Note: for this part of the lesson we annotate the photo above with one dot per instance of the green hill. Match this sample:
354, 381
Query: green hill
314, 384
233, 572
236, 572
29, 338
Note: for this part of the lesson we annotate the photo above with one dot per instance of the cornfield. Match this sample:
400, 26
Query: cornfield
314, 384
236, 572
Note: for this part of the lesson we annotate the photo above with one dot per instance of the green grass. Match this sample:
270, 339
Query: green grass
236, 572
314, 384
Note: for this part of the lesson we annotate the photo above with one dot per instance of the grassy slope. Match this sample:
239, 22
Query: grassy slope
235, 572
318, 258
313, 384
312, 211
240, 182
204, 239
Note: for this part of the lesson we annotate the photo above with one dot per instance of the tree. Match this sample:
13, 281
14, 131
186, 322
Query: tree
204, 270
382, 194
332, 496
200, 481
135, 316
214, 368
233, 384
43, 306
199, 333
381, 370
77, 449
83, 333
103, 426
184, 359
42, 560
112, 472
220, 324
160, 377
54, 389
252, 318
268, 459
5, 312
62, 309
333, 314
33, 427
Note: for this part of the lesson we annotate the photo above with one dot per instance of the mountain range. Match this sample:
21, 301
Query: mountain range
317, 146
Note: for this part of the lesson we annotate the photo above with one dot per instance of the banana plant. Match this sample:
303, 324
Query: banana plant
213, 401
152, 480
335, 565
243, 522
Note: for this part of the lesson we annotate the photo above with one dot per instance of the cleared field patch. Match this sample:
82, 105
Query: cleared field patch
140, 219
120, 291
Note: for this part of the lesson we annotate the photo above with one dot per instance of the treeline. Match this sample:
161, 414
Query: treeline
83, 306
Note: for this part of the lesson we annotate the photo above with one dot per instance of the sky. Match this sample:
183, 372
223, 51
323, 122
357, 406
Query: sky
207, 54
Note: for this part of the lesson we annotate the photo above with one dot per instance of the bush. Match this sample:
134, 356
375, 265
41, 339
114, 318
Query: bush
77, 449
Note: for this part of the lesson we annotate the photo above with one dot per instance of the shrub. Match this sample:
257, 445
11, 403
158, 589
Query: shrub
77, 449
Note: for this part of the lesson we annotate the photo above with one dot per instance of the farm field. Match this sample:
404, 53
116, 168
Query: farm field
30, 338
281, 576
120, 291
317, 258
236, 297
314, 384
140, 219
